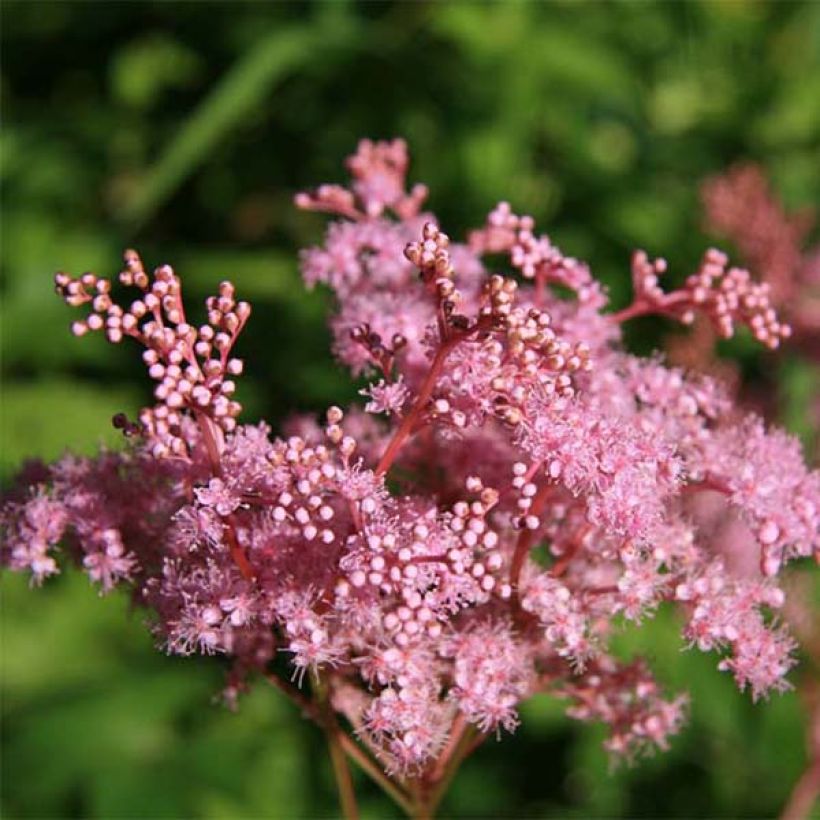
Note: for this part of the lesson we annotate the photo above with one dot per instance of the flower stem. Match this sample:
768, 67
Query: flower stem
631, 312
311, 709
664, 306
344, 782
328, 722
372, 769
406, 427
805, 794
524, 543
469, 741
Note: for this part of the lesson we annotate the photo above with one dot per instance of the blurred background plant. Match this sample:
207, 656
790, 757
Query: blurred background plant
185, 129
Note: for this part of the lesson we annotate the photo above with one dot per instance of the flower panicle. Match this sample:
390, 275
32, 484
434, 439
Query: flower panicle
515, 482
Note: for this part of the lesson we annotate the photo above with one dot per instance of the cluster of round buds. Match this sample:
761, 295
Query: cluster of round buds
729, 296
383, 355
429, 587
477, 553
430, 255
726, 297
90, 289
500, 232
741, 205
529, 336
345, 445
645, 282
303, 503
333, 430
394, 568
500, 293
526, 329
332, 199
531, 253
379, 171
535, 256
192, 365
432, 259
523, 484
532, 352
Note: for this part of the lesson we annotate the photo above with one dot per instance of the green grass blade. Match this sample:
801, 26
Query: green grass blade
242, 89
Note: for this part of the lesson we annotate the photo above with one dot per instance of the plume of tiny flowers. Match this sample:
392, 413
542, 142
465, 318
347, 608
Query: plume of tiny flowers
395, 561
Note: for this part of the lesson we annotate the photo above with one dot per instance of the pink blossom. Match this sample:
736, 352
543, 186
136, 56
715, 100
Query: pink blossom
529, 485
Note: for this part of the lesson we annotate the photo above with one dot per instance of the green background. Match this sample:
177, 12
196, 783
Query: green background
184, 129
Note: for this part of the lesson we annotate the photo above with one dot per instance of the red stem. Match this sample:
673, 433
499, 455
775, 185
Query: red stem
641, 307
457, 730
406, 427
631, 312
351, 748
524, 544
804, 795
206, 426
237, 552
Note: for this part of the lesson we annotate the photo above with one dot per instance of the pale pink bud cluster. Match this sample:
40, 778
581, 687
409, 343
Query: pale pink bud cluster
534, 255
379, 172
192, 366
726, 296
741, 206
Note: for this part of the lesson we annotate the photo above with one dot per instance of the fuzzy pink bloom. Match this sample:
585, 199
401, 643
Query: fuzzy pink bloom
416, 601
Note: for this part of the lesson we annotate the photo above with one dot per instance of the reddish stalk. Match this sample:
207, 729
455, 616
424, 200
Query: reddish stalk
237, 552
540, 289
560, 566
643, 308
459, 726
804, 795
409, 421
333, 733
468, 742
348, 745
631, 312
525, 543
372, 770
210, 436
210, 439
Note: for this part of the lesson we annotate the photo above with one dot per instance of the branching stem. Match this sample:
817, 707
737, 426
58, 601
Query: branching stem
311, 710
333, 733
525, 543
409, 421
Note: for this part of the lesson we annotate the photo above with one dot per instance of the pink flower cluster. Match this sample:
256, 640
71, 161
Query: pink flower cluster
545, 486
740, 205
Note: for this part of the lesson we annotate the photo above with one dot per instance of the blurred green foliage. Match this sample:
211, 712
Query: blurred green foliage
184, 129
